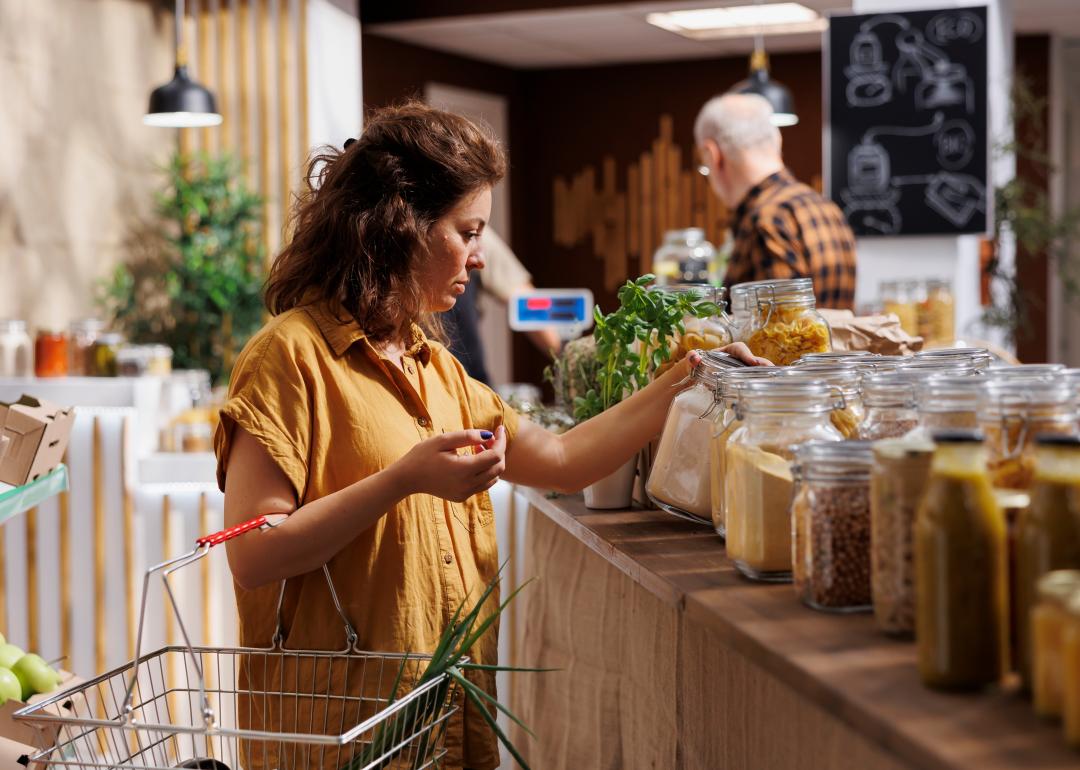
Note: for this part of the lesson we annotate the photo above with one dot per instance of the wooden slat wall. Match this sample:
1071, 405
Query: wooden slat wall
253, 55
660, 194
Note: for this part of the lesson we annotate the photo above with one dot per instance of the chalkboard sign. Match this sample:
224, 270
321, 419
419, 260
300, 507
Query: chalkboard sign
906, 145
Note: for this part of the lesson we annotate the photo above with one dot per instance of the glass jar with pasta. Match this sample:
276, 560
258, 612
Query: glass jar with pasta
1011, 414
778, 320
846, 378
699, 333
775, 415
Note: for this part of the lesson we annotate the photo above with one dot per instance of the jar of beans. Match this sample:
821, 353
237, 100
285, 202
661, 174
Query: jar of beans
831, 522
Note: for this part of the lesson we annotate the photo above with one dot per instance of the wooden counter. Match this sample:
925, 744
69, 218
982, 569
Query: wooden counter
669, 659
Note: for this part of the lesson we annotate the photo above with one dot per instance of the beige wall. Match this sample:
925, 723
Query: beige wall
77, 166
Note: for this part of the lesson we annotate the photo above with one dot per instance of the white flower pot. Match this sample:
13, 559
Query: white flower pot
614, 491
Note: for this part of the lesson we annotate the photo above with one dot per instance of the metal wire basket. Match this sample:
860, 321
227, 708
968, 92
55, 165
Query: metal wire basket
248, 708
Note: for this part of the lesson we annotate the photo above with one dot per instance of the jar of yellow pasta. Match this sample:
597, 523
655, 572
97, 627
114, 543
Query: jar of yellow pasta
706, 333
778, 320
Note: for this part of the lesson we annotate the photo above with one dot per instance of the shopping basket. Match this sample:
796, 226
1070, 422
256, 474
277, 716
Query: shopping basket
241, 708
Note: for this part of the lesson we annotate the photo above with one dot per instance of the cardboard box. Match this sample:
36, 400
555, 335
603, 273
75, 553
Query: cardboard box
39, 433
5, 442
26, 733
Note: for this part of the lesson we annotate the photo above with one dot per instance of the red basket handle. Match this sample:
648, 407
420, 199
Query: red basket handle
224, 535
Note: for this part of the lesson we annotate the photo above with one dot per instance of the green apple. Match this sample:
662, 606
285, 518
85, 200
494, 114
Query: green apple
10, 687
9, 654
34, 675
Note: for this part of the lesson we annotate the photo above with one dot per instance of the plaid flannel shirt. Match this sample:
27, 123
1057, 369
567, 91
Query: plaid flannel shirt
785, 229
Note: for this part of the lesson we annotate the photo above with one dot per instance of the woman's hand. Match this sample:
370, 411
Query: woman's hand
437, 467
741, 352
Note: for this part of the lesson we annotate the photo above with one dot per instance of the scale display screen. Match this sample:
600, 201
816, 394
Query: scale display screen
563, 308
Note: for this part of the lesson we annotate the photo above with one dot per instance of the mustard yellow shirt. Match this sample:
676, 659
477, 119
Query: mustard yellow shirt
331, 410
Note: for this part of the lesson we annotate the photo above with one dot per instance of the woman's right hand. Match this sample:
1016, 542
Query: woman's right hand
436, 467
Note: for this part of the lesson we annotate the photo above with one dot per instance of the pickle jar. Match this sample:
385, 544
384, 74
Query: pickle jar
889, 400
898, 482
1070, 654
831, 525
724, 424
50, 354
778, 320
961, 570
1047, 532
846, 377
1048, 620
1011, 413
775, 415
82, 335
679, 482
103, 355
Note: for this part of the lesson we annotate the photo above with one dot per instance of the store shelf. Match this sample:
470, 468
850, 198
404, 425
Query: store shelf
16, 500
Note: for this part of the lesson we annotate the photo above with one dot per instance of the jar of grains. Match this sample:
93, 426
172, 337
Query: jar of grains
846, 377
724, 424
898, 479
1048, 618
831, 522
778, 320
890, 406
775, 415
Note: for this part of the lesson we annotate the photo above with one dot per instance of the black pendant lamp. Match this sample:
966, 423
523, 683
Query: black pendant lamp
181, 103
760, 83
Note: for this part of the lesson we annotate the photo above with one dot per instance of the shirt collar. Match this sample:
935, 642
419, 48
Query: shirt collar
776, 179
342, 333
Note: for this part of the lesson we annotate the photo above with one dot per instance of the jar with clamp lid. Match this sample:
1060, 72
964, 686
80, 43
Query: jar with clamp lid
778, 320
708, 333
978, 358
890, 406
846, 377
685, 256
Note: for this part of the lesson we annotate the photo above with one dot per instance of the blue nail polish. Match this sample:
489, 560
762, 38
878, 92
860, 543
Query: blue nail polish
486, 434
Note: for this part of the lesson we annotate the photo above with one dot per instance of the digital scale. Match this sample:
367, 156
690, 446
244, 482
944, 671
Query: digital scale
568, 311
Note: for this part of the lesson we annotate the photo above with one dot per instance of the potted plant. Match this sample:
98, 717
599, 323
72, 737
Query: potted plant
631, 344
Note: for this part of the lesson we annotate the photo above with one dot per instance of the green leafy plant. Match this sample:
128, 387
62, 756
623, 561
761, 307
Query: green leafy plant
632, 342
195, 278
449, 663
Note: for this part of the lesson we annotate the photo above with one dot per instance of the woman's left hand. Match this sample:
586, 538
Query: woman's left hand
741, 352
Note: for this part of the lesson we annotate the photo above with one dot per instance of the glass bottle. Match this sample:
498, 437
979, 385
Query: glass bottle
846, 377
898, 481
890, 406
16, 349
81, 337
685, 256
1048, 618
724, 424
680, 480
779, 319
1011, 413
961, 567
831, 521
1048, 530
775, 415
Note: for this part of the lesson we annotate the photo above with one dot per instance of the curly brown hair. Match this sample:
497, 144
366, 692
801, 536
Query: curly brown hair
360, 227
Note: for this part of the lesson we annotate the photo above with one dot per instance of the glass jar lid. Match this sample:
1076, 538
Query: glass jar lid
1024, 397
929, 367
713, 364
879, 364
889, 389
1025, 371
86, 326
787, 395
1057, 586
110, 339
749, 295
980, 358
845, 375
12, 326
834, 460
834, 356
948, 394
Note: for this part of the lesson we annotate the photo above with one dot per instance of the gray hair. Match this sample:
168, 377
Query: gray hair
737, 122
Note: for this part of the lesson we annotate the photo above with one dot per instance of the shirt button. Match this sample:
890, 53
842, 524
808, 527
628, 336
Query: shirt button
448, 558
409, 369
423, 422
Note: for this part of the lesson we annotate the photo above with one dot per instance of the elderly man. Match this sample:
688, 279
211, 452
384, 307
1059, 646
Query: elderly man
782, 228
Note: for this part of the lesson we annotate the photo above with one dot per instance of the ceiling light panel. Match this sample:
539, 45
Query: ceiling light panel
740, 20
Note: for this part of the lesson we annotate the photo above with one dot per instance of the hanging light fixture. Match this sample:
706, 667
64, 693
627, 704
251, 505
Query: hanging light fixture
181, 103
760, 83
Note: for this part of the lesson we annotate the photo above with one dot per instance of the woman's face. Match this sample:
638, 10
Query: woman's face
454, 250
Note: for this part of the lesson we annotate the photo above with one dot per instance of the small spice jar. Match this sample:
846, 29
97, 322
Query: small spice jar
1070, 654
16, 349
1048, 620
831, 520
50, 354
724, 424
846, 377
898, 479
961, 569
778, 319
1047, 531
775, 415
81, 337
679, 482
103, 355
890, 406
1011, 412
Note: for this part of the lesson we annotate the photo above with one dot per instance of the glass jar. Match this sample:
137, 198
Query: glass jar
81, 337
890, 406
700, 333
937, 314
159, 360
1048, 530
961, 567
898, 481
979, 358
680, 478
897, 298
724, 424
779, 319
881, 364
831, 521
50, 354
833, 357
1048, 619
1070, 653
946, 403
774, 416
103, 354
16, 349
685, 256
1011, 413
1072, 377
846, 377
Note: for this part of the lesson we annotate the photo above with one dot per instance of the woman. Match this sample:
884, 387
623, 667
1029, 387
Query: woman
343, 414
